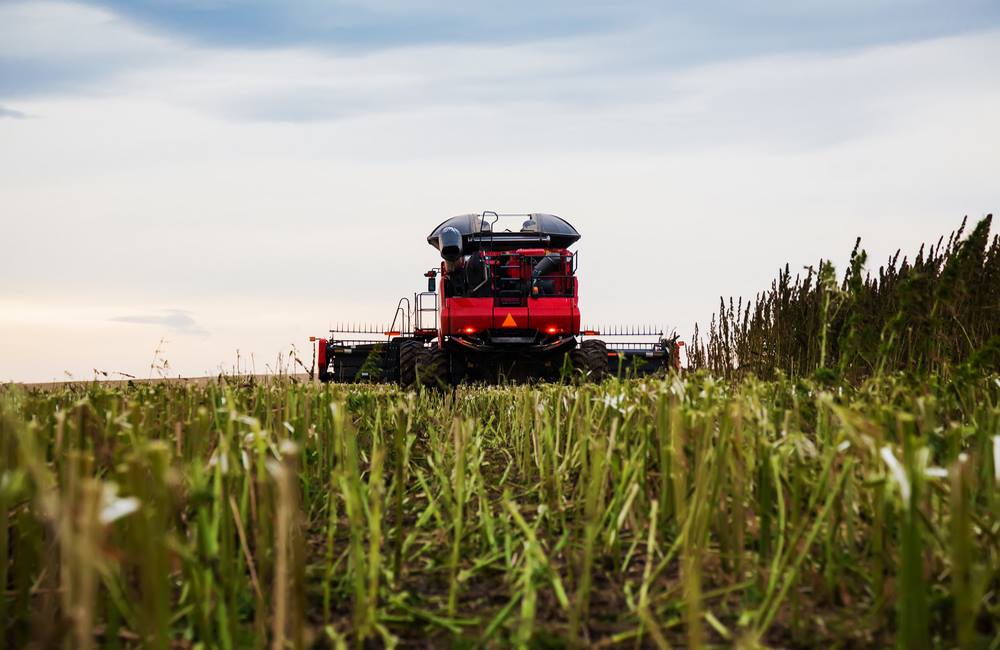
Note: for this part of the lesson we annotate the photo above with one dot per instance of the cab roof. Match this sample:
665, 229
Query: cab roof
538, 230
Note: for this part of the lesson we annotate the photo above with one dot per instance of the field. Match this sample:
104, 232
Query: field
677, 511
830, 480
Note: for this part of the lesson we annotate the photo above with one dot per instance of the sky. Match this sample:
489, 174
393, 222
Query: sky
210, 182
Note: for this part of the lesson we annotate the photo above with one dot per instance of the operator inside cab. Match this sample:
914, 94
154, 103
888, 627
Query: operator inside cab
476, 276
469, 278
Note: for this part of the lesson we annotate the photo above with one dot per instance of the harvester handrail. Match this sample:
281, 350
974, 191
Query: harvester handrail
405, 321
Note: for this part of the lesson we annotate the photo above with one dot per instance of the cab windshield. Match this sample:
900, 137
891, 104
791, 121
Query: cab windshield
523, 223
511, 277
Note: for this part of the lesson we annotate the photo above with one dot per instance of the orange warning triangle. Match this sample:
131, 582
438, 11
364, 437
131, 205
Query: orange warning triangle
509, 321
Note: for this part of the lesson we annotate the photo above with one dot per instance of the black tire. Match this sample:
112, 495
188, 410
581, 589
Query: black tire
409, 351
591, 359
432, 368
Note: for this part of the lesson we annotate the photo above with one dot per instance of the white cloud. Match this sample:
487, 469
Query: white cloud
175, 320
11, 113
62, 31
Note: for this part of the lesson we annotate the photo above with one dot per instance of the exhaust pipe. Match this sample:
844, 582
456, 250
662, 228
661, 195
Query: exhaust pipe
450, 244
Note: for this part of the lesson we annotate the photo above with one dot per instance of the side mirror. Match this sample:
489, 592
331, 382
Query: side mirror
430, 284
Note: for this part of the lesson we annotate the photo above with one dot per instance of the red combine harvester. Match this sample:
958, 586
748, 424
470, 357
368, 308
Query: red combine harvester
502, 305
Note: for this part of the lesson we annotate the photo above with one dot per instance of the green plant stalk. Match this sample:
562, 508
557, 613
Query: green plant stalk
649, 621
460, 437
529, 601
962, 545
792, 573
596, 476
375, 498
913, 613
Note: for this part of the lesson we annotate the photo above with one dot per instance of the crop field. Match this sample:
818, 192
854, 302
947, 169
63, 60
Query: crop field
679, 511
827, 473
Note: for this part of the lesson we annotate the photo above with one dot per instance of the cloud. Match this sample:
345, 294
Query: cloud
691, 32
49, 48
364, 26
74, 48
176, 320
429, 101
627, 88
11, 113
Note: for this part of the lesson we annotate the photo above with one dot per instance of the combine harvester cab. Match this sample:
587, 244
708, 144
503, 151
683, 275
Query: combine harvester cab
502, 305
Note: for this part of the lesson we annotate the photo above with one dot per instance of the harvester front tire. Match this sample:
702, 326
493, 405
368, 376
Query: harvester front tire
409, 351
591, 359
432, 369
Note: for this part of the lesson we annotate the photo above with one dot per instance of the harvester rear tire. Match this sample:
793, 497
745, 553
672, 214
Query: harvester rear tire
591, 359
409, 351
432, 368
